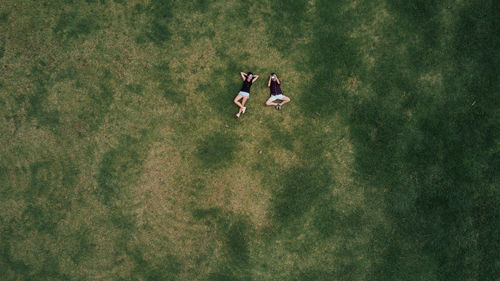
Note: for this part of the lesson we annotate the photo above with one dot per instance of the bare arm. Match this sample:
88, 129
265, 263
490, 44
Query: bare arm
278, 80
269, 82
243, 75
255, 78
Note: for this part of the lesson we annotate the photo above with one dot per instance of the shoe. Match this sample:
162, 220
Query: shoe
237, 115
278, 106
243, 110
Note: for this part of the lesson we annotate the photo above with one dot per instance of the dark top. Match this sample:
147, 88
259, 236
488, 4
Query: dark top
275, 88
246, 86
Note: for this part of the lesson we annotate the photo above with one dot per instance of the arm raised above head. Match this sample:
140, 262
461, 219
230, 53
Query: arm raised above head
255, 78
243, 75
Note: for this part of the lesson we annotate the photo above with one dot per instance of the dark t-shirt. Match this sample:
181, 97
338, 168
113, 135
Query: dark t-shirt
275, 88
246, 86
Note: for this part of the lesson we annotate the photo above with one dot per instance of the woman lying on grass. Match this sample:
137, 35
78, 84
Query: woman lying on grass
244, 93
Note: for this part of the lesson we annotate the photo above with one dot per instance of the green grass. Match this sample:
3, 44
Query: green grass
120, 157
217, 150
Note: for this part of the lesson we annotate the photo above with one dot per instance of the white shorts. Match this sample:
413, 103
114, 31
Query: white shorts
276, 97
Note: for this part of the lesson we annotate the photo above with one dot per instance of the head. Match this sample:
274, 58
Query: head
273, 76
249, 76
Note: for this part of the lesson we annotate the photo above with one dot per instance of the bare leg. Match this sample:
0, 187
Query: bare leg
237, 101
243, 104
270, 103
285, 100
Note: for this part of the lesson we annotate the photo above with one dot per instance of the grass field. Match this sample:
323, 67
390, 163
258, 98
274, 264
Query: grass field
121, 159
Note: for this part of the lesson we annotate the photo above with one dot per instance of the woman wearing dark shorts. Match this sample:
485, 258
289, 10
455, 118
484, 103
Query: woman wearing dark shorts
244, 93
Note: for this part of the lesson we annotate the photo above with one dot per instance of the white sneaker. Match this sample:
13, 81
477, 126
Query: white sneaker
243, 110
237, 115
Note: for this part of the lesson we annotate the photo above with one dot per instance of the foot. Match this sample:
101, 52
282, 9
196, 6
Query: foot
238, 115
243, 109
278, 106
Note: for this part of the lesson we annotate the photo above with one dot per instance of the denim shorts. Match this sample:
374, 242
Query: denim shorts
244, 94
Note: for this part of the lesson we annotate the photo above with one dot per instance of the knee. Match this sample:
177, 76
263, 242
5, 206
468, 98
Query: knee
268, 102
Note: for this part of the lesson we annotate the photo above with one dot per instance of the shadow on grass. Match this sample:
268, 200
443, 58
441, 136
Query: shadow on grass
157, 29
168, 85
135, 88
430, 148
4, 16
234, 232
8, 264
39, 216
72, 25
286, 23
163, 268
216, 150
119, 167
314, 274
283, 136
90, 117
41, 79
300, 190
329, 221
51, 183
333, 57
426, 147
98, 102
221, 89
